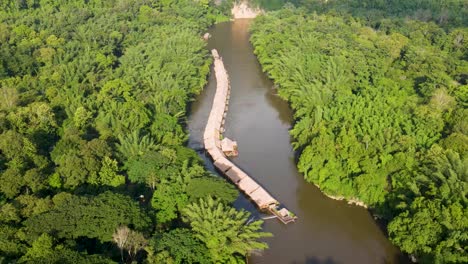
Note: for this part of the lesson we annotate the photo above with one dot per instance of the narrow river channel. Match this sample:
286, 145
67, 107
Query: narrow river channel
327, 231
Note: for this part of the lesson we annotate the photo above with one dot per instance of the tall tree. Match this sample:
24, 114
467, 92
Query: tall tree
227, 233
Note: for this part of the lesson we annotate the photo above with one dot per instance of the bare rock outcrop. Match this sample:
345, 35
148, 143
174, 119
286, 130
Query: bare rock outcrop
243, 10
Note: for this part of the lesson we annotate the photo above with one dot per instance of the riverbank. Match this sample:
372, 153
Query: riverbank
353, 201
362, 130
327, 230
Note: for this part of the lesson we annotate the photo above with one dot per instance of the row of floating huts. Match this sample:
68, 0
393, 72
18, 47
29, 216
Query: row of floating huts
219, 148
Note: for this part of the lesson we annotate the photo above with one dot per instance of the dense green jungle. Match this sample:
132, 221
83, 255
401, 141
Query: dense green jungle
94, 166
380, 94
93, 163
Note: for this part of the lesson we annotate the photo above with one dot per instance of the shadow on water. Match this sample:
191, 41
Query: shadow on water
327, 231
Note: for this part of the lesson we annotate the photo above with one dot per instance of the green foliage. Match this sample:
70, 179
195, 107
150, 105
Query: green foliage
93, 97
445, 13
29, 205
225, 231
108, 175
82, 117
182, 246
372, 105
95, 217
10, 242
132, 145
25, 167
210, 186
432, 224
173, 193
272, 4
36, 117
168, 199
150, 168
43, 250
72, 152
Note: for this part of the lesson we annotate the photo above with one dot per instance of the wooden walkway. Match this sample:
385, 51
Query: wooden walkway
212, 140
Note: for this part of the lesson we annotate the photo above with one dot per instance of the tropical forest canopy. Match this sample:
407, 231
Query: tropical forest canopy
447, 13
93, 167
381, 110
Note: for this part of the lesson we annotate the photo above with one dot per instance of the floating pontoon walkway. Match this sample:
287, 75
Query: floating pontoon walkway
212, 140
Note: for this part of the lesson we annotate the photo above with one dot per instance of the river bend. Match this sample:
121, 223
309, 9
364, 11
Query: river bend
327, 231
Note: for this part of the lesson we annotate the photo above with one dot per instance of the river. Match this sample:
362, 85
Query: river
327, 231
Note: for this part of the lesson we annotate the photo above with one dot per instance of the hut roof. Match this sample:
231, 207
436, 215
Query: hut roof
223, 164
218, 143
209, 143
284, 212
262, 198
248, 185
236, 174
210, 131
228, 145
216, 154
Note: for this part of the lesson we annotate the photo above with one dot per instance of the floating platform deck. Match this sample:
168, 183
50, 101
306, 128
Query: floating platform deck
213, 145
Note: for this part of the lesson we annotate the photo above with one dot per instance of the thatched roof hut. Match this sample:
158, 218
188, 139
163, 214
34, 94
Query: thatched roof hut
248, 185
262, 198
235, 174
216, 154
223, 164
229, 147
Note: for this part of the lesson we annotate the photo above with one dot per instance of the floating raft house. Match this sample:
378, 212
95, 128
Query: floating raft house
219, 149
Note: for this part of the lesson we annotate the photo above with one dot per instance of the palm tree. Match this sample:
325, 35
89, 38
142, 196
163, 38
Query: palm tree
133, 144
225, 231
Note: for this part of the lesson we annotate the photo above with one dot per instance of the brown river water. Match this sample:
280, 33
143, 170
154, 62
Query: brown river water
327, 231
